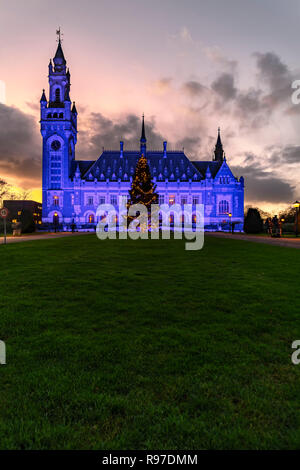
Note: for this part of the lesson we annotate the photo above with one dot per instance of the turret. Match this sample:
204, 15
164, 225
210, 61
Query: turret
43, 99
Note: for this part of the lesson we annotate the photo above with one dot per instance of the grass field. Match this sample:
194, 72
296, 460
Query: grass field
143, 345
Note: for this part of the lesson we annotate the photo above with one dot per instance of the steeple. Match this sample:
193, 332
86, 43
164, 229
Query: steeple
143, 139
59, 58
219, 152
59, 52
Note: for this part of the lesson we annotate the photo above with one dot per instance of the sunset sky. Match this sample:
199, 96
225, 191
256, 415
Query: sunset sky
189, 65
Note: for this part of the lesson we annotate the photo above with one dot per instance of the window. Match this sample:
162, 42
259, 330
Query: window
90, 201
57, 95
72, 199
101, 200
113, 200
183, 200
224, 180
55, 145
161, 199
56, 201
171, 200
223, 207
195, 200
91, 219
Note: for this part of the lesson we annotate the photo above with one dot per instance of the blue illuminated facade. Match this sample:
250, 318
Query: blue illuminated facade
73, 189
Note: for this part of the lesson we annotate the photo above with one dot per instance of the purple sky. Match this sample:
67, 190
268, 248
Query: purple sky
190, 66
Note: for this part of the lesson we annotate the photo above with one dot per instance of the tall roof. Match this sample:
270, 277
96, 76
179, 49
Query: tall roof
59, 53
219, 152
110, 166
143, 135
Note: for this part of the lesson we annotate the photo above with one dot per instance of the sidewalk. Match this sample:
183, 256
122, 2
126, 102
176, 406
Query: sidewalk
42, 236
287, 242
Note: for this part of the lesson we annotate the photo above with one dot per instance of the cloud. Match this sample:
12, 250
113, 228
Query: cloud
20, 146
104, 132
262, 186
215, 55
278, 78
185, 35
193, 88
289, 154
224, 86
162, 85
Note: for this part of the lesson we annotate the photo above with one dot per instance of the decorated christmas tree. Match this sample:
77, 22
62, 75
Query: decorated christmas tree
142, 189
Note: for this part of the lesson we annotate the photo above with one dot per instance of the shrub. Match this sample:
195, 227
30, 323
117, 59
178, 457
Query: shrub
253, 221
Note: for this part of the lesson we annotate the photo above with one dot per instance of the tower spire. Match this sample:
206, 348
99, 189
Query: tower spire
219, 152
59, 58
143, 139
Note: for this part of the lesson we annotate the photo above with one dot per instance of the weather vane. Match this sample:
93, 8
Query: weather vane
59, 35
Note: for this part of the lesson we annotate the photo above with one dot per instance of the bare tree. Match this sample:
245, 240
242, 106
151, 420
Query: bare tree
25, 195
4, 190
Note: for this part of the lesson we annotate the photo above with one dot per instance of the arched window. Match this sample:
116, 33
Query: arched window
223, 207
61, 115
57, 95
49, 115
91, 219
55, 115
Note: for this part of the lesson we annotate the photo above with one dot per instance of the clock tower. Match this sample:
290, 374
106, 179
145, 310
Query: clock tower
59, 132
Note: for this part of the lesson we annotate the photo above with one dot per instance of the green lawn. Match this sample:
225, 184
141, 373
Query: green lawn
143, 345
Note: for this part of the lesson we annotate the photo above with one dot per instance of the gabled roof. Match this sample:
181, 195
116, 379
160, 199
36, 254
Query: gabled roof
213, 166
224, 170
84, 165
110, 165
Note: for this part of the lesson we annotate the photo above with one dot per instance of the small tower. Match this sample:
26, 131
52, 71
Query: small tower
143, 140
219, 152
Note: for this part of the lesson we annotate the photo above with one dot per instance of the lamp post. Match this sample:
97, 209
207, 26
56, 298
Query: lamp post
230, 223
297, 205
281, 223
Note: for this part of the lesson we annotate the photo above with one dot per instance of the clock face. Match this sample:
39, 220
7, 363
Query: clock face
55, 145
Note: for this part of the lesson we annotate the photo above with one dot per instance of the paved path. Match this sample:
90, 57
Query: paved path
287, 242
43, 236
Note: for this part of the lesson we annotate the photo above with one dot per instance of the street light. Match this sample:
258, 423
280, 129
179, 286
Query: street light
297, 205
230, 223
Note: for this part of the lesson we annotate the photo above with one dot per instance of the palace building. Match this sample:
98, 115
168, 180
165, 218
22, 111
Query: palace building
73, 189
